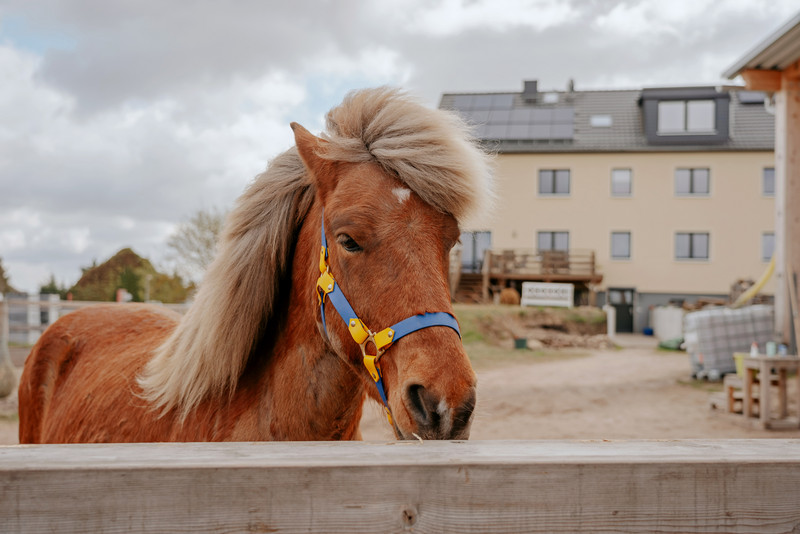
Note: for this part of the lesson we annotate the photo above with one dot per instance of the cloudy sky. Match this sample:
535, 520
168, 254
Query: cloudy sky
119, 119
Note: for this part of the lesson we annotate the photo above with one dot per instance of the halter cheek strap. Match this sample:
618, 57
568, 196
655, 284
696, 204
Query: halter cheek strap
363, 336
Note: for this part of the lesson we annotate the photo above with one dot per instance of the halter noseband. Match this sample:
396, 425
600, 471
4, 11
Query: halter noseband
327, 286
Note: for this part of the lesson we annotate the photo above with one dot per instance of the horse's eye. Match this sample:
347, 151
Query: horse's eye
348, 243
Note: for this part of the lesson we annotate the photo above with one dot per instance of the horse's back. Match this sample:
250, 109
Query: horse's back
79, 381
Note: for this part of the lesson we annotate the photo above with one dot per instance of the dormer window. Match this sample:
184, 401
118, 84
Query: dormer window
686, 117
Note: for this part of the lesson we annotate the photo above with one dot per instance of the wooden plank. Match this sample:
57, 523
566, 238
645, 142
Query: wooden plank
762, 80
501, 486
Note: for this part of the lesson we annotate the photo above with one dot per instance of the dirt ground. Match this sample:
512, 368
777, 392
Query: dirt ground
633, 392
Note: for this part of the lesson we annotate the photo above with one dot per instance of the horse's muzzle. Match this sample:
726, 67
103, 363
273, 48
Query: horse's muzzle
435, 418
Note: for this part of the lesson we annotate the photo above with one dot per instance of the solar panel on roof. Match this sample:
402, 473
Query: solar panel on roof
482, 102
496, 131
502, 101
517, 131
561, 131
520, 116
563, 115
496, 118
539, 131
500, 116
462, 102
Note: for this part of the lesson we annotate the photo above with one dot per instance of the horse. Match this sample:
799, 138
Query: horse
329, 287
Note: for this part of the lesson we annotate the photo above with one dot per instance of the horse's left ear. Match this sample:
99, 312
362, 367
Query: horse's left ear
307, 146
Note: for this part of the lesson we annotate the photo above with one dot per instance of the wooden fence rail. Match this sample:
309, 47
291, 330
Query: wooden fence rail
487, 487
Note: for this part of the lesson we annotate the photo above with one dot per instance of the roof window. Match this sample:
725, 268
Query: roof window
601, 121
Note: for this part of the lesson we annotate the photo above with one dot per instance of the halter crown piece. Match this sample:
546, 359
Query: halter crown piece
363, 336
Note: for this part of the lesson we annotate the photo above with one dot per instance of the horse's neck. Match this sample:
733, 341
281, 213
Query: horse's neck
309, 393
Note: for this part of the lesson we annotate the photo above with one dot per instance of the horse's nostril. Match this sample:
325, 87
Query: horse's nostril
423, 406
463, 415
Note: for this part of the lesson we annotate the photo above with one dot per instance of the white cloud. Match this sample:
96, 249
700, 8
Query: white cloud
450, 17
137, 114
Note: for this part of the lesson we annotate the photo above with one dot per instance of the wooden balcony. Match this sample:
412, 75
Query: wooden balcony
573, 266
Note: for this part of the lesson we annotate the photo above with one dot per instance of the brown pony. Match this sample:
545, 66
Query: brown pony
251, 359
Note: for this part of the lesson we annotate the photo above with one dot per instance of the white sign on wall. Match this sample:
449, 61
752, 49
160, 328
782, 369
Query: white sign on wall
542, 294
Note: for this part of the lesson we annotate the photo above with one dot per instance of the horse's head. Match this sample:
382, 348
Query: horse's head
388, 251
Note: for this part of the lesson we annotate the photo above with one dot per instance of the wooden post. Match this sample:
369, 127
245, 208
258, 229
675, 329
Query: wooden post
787, 197
791, 166
491, 486
487, 267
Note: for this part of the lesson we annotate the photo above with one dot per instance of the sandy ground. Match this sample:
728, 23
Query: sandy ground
635, 392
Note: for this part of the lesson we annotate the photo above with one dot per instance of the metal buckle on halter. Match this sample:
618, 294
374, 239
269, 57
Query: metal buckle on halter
325, 284
381, 341
371, 360
374, 370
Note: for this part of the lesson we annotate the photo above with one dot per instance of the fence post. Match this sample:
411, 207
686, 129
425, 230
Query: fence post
8, 378
34, 319
53, 308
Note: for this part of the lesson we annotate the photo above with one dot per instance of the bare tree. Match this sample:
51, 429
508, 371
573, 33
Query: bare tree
194, 243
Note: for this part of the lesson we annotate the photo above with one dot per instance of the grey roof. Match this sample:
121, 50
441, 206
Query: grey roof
776, 52
508, 123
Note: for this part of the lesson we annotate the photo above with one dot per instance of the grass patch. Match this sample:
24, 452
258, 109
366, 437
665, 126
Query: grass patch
12, 417
485, 327
702, 385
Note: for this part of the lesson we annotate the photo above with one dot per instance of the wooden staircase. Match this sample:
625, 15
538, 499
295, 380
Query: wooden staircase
470, 289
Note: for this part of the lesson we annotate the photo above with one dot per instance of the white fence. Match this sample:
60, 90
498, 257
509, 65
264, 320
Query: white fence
488, 487
29, 316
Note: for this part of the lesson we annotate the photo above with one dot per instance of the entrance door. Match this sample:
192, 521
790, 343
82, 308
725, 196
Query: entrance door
622, 300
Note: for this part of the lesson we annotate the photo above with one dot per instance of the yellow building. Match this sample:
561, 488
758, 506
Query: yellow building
672, 190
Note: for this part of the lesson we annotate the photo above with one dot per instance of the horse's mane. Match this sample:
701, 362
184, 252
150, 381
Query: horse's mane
431, 151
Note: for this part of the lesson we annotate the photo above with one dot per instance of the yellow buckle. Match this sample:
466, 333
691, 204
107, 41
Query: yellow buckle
358, 330
323, 262
384, 339
325, 284
371, 363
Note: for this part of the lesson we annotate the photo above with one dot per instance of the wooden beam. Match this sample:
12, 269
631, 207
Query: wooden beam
762, 80
492, 486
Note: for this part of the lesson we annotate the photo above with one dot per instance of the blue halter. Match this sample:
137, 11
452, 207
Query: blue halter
327, 286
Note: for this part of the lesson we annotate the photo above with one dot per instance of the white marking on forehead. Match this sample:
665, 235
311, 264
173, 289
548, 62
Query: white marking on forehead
401, 193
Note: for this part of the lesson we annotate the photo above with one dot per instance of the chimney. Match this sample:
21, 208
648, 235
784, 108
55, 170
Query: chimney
530, 90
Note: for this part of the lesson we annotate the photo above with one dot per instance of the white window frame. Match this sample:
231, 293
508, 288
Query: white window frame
692, 182
687, 111
630, 182
629, 245
554, 183
764, 191
692, 256
764, 237
552, 234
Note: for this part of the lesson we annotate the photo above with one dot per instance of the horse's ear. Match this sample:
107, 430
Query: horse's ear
320, 169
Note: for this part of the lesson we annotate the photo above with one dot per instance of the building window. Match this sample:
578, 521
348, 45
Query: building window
621, 182
686, 116
767, 245
621, 245
692, 182
473, 247
691, 246
768, 182
552, 241
554, 182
